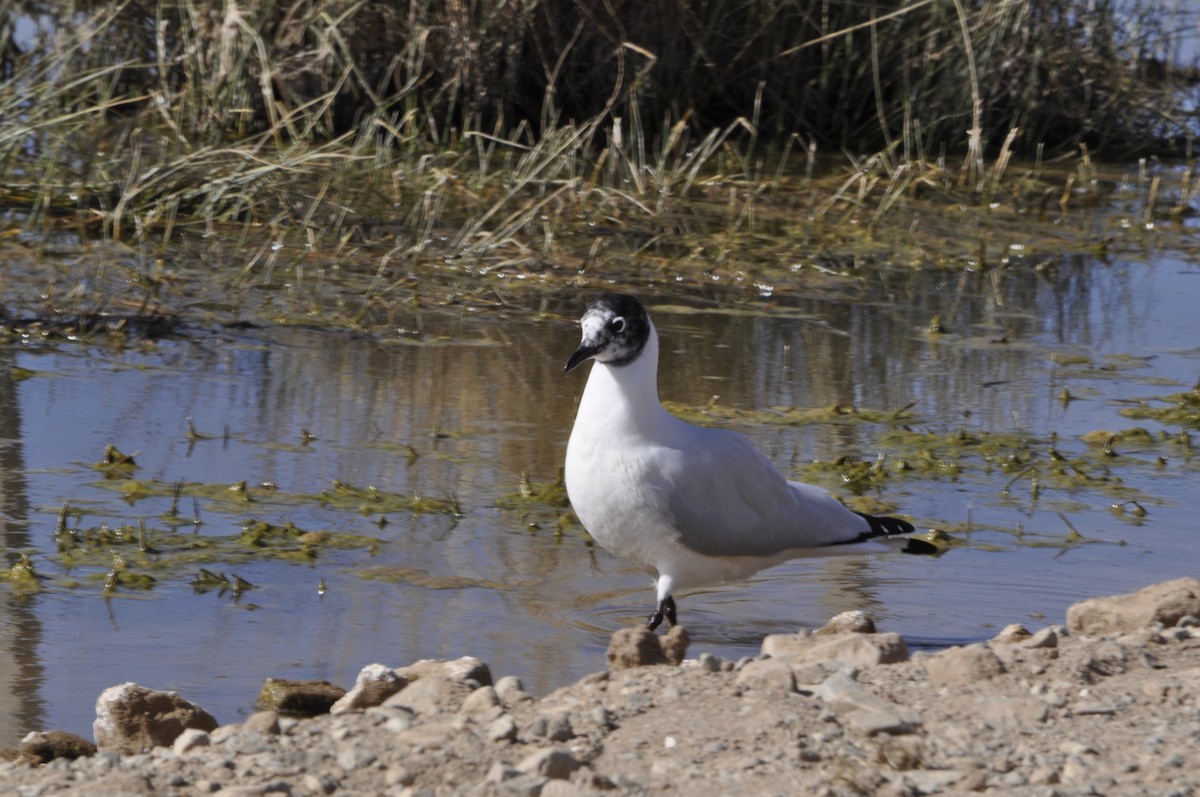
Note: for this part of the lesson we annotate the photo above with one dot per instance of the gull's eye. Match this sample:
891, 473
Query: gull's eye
617, 325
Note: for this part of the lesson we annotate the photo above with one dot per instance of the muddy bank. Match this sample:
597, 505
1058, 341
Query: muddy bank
1104, 704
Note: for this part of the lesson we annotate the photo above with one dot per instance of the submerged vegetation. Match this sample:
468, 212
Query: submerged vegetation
139, 555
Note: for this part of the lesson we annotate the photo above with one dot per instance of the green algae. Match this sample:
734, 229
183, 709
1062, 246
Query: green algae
114, 464
418, 577
22, 576
786, 416
139, 556
529, 494
1174, 409
207, 580
368, 500
237, 496
1012, 467
287, 541
541, 505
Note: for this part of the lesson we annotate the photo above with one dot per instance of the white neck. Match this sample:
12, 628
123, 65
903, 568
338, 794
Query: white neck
623, 399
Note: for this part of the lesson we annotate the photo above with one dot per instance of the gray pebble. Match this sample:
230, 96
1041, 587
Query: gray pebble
502, 729
552, 762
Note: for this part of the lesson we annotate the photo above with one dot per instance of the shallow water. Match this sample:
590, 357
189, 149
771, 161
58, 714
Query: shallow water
482, 400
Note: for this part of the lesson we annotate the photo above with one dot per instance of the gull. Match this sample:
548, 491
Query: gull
694, 506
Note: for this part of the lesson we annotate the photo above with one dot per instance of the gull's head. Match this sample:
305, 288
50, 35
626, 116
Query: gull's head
615, 330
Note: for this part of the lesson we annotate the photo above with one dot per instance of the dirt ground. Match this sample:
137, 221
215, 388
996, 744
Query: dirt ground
1107, 704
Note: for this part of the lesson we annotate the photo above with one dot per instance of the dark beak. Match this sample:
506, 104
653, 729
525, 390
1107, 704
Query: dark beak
586, 351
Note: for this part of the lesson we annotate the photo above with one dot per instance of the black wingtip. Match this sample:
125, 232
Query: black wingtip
886, 526
920, 548
892, 527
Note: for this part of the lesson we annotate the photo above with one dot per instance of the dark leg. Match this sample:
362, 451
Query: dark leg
666, 608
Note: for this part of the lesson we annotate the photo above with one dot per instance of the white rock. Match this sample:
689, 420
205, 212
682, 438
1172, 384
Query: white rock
190, 739
963, 665
375, 683
767, 675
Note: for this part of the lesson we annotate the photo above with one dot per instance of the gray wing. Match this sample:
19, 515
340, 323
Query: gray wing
727, 499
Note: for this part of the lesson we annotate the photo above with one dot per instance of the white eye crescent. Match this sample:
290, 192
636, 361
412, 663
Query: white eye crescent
617, 325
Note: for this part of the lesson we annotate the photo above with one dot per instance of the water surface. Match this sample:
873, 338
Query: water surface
462, 406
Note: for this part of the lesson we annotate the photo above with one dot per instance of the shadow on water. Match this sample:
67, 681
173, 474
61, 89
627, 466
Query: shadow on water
464, 409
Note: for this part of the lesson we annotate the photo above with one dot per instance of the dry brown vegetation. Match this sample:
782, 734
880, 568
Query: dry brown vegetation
544, 132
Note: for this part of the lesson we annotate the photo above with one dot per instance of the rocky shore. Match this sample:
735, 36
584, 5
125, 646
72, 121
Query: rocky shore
1107, 703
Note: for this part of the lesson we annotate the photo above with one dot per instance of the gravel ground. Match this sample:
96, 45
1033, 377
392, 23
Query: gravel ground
1058, 712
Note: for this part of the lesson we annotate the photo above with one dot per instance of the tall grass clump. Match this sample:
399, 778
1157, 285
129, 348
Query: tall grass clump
1107, 73
145, 114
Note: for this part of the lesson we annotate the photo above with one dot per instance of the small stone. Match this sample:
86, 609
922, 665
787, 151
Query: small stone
298, 698
560, 788
556, 763
42, 747
375, 683
431, 694
482, 701
1092, 708
399, 776
603, 718
133, 719
241, 791
1044, 639
394, 718
509, 683
767, 675
900, 752
239, 740
467, 668
1075, 770
319, 784
190, 739
709, 663
963, 665
639, 647
511, 691
1011, 713
353, 757
838, 686
856, 649
1012, 633
498, 773
503, 729
853, 622
265, 722
842, 693
873, 723
674, 645
559, 728
1165, 603
1073, 747
116, 784
781, 646
933, 781
1053, 699
538, 728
